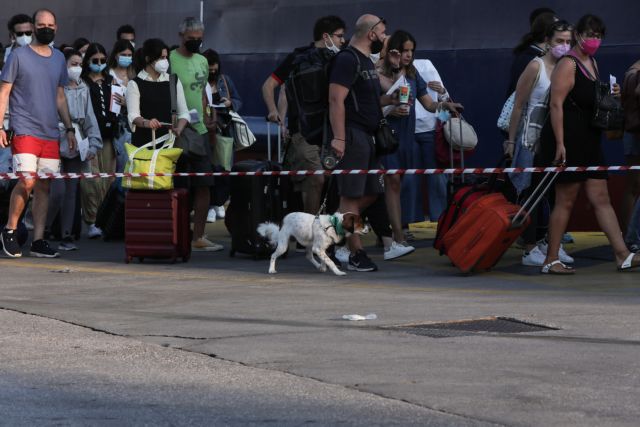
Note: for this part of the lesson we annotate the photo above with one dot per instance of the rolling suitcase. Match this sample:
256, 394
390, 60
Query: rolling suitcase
254, 199
157, 225
489, 227
110, 216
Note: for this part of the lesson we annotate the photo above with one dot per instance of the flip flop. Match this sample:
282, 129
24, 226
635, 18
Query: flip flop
547, 269
630, 263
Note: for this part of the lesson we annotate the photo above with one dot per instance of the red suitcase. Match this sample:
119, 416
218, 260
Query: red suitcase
488, 228
157, 225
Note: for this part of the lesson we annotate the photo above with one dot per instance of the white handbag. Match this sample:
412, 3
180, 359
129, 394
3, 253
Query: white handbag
505, 115
460, 134
242, 135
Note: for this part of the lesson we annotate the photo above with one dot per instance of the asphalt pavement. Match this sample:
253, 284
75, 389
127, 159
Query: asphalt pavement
88, 339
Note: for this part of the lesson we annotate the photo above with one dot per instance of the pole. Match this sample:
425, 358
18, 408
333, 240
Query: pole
201, 10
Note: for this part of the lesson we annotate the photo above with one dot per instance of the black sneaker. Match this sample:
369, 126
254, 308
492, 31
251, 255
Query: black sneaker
10, 244
41, 249
361, 262
331, 253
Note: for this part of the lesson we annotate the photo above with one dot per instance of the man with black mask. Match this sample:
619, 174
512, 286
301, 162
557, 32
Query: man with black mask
193, 71
354, 77
34, 79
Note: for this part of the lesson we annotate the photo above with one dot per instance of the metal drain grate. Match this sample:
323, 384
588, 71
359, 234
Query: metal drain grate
492, 325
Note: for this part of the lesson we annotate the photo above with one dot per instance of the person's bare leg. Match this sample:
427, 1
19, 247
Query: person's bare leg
200, 211
312, 197
19, 199
39, 208
598, 195
566, 195
392, 198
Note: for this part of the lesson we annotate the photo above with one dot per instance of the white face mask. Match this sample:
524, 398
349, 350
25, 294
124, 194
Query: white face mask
74, 73
161, 66
333, 48
375, 57
23, 40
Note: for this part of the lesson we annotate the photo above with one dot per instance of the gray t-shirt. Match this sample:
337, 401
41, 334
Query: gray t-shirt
32, 104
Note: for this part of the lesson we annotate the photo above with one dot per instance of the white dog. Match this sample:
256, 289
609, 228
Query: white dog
315, 233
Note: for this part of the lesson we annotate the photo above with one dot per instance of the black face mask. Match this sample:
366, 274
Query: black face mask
45, 35
193, 46
213, 77
376, 46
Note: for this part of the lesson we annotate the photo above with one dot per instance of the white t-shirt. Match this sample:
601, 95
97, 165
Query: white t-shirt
426, 121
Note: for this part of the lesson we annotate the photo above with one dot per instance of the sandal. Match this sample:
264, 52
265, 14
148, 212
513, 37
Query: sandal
548, 269
630, 263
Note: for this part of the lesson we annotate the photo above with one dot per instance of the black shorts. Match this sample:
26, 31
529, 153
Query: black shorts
189, 163
359, 153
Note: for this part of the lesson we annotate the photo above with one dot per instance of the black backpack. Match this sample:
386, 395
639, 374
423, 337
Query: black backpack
307, 90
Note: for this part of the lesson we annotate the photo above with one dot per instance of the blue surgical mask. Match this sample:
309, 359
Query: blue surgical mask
443, 115
124, 61
97, 68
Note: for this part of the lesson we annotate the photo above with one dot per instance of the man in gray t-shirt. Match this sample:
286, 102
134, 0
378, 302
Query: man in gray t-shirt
33, 80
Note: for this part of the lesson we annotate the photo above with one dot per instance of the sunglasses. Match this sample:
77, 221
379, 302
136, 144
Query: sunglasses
562, 26
23, 33
98, 61
381, 21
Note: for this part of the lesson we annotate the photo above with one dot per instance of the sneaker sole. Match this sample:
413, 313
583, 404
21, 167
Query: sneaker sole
67, 249
207, 249
7, 253
361, 270
39, 255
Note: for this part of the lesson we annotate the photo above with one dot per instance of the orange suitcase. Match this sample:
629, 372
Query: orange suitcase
488, 228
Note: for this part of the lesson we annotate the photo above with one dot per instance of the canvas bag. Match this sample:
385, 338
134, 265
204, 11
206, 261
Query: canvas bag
149, 159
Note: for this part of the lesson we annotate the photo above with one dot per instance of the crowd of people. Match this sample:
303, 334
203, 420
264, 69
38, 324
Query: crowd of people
56, 95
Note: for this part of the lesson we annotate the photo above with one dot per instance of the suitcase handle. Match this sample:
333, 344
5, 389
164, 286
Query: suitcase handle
534, 199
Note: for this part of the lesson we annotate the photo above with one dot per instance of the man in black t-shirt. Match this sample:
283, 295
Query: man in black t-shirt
355, 111
328, 33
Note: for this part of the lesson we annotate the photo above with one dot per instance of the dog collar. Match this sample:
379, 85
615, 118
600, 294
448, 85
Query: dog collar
337, 225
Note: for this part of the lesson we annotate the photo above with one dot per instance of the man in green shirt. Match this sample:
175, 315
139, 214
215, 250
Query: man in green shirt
193, 69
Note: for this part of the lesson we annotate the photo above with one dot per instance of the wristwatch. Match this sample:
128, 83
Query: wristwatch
71, 129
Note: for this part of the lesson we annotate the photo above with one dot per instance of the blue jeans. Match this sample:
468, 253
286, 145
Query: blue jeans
121, 153
436, 184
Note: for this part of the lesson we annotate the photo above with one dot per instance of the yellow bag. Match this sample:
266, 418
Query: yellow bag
147, 159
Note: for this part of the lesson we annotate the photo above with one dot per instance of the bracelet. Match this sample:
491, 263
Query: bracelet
338, 139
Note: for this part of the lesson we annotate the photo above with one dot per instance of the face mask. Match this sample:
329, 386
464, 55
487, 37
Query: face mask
333, 48
213, 77
124, 61
376, 45
45, 35
97, 68
74, 73
161, 66
590, 46
193, 46
560, 50
375, 57
23, 40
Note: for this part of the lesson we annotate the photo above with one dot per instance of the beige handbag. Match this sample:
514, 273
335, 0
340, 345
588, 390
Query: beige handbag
460, 134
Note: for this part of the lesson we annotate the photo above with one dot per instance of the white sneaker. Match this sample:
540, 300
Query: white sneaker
219, 211
211, 216
396, 250
205, 245
343, 253
535, 258
564, 257
94, 232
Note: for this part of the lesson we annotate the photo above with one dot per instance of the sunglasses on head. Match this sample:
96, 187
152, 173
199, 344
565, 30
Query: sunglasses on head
98, 61
23, 33
381, 21
562, 26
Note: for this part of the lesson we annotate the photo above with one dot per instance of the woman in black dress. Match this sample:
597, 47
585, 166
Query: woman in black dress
569, 139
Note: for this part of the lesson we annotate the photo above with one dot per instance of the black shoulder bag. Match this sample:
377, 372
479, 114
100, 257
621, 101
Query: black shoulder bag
608, 113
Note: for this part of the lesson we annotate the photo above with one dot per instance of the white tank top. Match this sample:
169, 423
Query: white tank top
541, 88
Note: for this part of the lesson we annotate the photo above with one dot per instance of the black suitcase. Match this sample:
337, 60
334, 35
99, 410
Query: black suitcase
253, 200
110, 216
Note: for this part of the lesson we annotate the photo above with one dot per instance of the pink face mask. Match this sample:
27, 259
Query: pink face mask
560, 50
590, 46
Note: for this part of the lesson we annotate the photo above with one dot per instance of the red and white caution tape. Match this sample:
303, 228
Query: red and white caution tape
477, 171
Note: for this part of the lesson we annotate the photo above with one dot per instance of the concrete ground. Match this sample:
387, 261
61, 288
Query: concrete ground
87, 339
